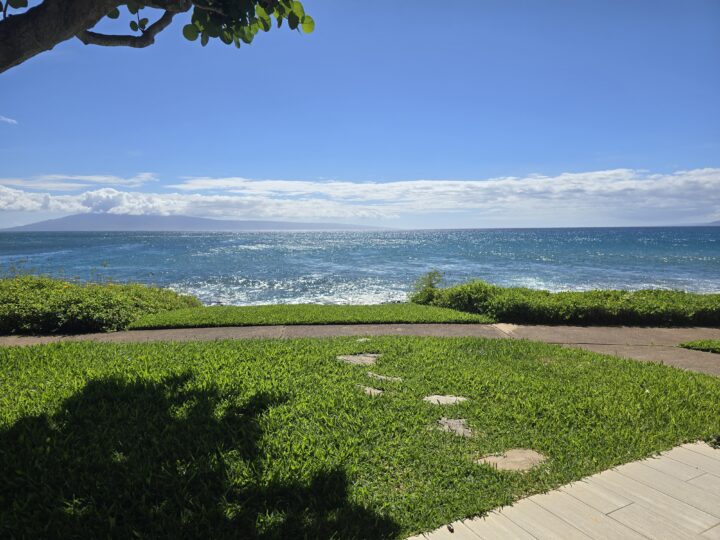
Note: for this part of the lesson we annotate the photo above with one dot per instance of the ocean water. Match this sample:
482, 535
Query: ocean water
372, 267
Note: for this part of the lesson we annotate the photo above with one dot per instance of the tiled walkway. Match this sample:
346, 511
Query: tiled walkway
675, 495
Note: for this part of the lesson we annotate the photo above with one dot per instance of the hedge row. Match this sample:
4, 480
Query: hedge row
41, 305
522, 305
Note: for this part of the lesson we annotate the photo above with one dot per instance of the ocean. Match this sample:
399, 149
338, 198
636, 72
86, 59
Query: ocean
372, 267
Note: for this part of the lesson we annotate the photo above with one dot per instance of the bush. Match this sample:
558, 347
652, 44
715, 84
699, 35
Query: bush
34, 304
425, 287
522, 305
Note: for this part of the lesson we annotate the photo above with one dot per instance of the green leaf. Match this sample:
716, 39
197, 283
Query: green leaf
308, 24
298, 9
17, 4
114, 13
134, 26
245, 35
133, 7
143, 22
261, 13
212, 29
204, 39
293, 20
190, 31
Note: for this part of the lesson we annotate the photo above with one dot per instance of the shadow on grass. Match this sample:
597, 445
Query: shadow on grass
162, 459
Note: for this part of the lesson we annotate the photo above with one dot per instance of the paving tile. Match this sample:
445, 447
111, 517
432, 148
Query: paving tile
601, 499
540, 523
703, 448
679, 470
703, 462
708, 482
593, 523
694, 496
686, 516
650, 524
496, 526
711, 534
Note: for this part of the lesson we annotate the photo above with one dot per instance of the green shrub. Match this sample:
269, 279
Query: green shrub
522, 305
34, 304
425, 287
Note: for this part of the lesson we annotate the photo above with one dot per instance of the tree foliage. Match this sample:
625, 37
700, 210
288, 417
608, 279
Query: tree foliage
25, 32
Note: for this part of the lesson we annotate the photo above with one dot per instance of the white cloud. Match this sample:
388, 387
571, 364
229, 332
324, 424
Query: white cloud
74, 182
619, 196
453, 194
6, 120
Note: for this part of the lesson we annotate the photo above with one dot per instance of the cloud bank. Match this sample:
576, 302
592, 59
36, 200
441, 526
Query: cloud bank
6, 120
640, 196
74, 182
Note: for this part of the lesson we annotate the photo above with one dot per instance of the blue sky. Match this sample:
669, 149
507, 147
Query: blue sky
491, 113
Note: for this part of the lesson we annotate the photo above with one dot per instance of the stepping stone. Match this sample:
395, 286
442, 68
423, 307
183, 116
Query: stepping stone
364, 359
515, 459
362, 339
457, 426
444, 400
383, 377
370, 391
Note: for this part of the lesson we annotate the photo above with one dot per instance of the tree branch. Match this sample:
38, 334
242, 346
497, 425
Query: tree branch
173, 6
144, 40
217, 10
40, 28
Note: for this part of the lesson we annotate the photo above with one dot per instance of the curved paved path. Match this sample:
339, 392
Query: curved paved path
639, 343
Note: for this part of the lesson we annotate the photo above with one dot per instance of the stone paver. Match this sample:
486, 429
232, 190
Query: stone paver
363, 359
457, 426
379, 377
370, 391
633, 501
647, 344
515, 459
437, 399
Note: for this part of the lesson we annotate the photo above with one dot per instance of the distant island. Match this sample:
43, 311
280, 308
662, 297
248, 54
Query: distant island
124, 222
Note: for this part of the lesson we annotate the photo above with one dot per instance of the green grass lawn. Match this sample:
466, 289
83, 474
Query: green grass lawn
304, 314
707, 345
275, 439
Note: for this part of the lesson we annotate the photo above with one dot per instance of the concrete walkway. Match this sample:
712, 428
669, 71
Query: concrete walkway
639, 343
673, 496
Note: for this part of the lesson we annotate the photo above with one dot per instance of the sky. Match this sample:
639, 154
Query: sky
478, 113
